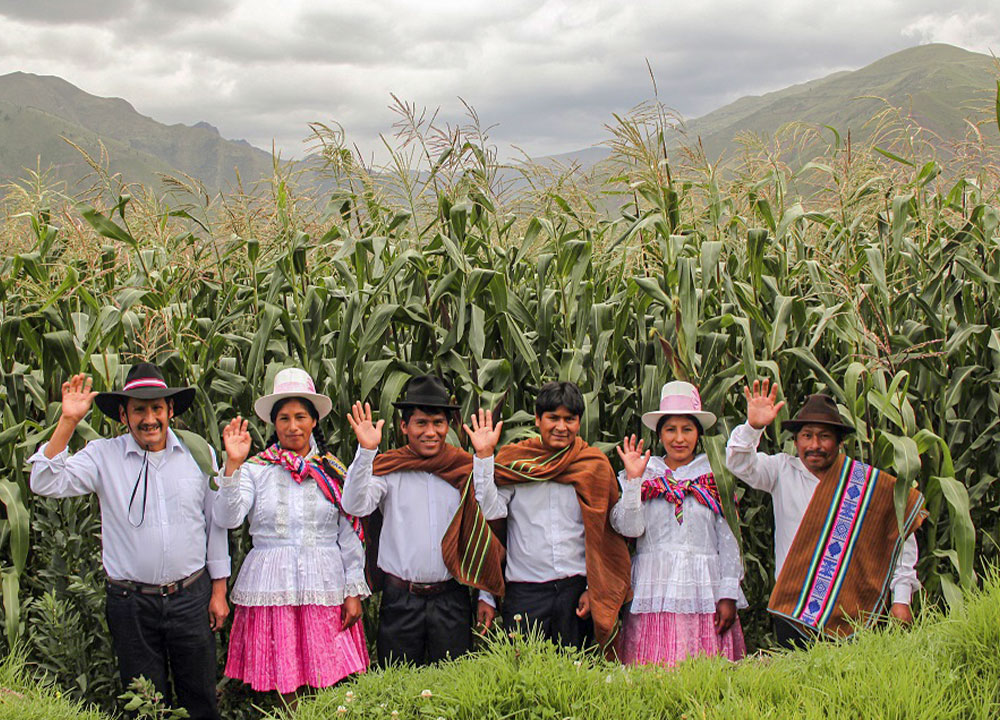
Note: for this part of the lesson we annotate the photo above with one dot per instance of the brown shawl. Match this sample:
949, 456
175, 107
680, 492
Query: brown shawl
471, 552
587, 469
839, 568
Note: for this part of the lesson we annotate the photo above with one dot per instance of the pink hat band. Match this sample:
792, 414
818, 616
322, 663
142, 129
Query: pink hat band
144, 382
295, 386
680, 402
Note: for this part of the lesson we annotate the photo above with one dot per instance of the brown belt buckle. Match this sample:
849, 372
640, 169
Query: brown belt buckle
423, 588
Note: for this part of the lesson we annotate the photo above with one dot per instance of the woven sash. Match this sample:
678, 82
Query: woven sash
838, 570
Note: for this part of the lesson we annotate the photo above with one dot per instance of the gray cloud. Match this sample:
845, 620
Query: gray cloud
550, 73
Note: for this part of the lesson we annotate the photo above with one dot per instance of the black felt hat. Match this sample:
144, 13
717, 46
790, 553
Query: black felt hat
817, 410
426, 391
144, 382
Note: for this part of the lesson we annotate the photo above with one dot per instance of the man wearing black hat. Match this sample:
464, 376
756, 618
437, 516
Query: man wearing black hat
434, 540
166, 562
838, 550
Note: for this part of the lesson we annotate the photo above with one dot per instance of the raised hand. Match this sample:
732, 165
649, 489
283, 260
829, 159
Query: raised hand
483, 433
634, 458
236, 439
761, 407
369, 433
77, 397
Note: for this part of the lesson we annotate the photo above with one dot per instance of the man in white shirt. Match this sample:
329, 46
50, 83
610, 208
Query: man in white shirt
166, 562
421, 489
847, 583
567, 569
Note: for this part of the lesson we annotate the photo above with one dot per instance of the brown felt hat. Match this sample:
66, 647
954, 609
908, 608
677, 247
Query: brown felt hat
817, 410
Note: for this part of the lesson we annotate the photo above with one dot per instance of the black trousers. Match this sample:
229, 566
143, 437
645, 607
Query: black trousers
788, 637
551, 607
154, 635
422, 629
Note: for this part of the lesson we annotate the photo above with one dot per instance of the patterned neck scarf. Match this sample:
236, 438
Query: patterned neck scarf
319, 468
701, 488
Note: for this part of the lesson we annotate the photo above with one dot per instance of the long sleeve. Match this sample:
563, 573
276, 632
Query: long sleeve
492, 500
363, 490
352, 554
627, 516
217, 553
904, 575
64, 476
730, 564
234, 499
757, 470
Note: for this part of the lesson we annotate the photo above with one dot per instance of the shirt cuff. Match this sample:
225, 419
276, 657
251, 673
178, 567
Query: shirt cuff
218, 569
901, 594
729, 589
355, 586
488, 599
39, 456
746, 435
365, 455
482, 466
632, 494
229, 481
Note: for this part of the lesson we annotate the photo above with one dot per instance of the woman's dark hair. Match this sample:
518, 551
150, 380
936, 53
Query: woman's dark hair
663, 421
555, 394
313, 413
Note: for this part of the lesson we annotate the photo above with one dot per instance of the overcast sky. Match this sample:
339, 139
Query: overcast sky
549, 73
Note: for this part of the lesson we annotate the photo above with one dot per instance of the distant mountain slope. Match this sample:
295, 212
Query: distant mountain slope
940, 85
37, 111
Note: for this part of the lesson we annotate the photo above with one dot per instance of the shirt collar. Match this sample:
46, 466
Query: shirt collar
133, 448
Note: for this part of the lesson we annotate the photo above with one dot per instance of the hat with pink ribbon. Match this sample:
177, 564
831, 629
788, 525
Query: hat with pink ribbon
679, 398
144, 382
289, 383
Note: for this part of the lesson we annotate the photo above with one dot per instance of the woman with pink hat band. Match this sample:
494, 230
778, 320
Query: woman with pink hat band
298, 594
686, 571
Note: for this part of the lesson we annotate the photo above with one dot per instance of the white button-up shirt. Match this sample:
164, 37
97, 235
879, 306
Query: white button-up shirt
545, 535
417, 508
791, 485
176, 537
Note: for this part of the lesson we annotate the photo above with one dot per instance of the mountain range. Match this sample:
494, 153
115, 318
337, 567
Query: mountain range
940, 86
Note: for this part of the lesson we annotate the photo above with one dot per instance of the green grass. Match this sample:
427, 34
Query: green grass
945, 667
22, 697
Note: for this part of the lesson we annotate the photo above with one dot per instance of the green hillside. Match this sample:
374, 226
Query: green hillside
940, 85
36, 112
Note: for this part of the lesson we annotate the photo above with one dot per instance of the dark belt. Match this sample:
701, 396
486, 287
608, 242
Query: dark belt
161, 590
415, 588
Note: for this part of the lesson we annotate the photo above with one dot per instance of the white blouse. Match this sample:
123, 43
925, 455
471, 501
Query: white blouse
678, 567
305, 551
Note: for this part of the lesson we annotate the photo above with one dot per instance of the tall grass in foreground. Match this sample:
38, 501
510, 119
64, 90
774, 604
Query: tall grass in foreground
867, 272
944, 667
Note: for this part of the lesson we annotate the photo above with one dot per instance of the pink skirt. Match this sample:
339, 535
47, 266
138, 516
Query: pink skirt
668, 638
284, 647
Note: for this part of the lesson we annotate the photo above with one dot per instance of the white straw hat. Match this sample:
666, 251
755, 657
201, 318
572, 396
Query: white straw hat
679, 398
289, 383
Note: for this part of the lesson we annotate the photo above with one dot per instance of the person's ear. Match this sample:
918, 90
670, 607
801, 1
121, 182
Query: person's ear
170, 408
122, 413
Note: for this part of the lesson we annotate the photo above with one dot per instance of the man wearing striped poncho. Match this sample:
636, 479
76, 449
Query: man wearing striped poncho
840, 552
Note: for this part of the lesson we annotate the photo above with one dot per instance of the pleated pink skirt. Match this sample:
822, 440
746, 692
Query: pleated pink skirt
668, 638
284, 647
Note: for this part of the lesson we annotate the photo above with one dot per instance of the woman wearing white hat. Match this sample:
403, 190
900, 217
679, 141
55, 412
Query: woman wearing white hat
298, 594
687, 570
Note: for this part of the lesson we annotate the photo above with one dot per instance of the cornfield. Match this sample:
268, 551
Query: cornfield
867, 272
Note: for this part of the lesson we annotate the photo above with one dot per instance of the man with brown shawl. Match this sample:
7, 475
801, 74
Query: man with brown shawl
434, 541
839, 549
565, 564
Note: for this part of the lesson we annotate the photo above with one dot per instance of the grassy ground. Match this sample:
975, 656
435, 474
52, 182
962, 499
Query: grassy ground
945, 667
22, 698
